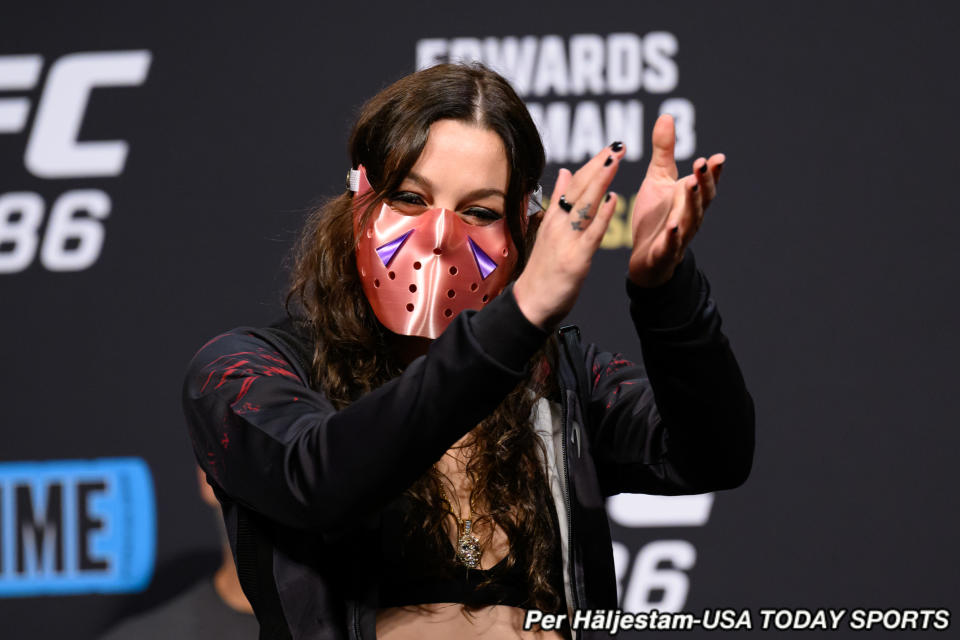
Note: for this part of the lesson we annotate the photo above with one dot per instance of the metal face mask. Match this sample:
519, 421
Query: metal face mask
419, 272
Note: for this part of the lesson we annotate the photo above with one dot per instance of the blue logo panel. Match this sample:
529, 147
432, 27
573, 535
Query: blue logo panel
76, 526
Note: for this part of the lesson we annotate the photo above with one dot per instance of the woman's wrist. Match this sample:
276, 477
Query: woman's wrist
526, 302
505, 332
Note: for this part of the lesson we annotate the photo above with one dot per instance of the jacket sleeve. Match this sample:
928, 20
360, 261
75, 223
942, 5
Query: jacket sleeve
270, 442
682, 420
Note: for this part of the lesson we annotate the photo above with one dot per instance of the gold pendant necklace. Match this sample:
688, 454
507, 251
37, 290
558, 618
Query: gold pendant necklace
468, 550
468, 545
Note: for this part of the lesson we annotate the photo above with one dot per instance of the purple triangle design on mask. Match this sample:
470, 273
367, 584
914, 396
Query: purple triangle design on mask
484, 263
389, 250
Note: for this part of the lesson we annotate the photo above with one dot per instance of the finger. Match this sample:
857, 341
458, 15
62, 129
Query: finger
673, 243
594, 233
563, 180
662, 163
686, 208
708, 188
697, 206
601, 162
692, 213
715, 163
588, 202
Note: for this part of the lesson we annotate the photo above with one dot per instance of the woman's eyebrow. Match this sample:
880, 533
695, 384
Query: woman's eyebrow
476, 194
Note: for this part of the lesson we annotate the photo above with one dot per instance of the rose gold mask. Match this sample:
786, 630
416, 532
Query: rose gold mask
419, 272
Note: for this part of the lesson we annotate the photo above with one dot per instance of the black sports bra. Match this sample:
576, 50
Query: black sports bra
415, 571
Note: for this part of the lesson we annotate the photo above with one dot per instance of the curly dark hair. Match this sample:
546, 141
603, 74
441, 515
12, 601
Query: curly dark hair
352, 355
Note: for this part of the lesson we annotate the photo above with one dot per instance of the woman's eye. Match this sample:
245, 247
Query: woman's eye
407, 198
406, 202
481, 216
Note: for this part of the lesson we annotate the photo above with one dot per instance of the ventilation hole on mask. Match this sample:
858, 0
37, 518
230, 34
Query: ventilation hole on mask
437, 251
451, 293
474, 287
376, 283
447, 312
485, 297
505, 253
410, 307
453, 271
417, 265
391, 275
413, 288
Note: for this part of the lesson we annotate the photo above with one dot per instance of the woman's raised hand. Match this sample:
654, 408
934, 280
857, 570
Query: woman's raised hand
667, 214
570, 233
668, 211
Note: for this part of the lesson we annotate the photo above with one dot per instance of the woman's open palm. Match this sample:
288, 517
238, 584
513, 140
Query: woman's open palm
668, 211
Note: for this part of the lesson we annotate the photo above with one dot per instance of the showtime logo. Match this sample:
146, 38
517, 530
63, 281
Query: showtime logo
76, 526
73, 237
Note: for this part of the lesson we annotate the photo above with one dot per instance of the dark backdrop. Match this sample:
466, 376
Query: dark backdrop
830, 249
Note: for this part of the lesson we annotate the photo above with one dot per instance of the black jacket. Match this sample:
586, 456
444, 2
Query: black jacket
302, 485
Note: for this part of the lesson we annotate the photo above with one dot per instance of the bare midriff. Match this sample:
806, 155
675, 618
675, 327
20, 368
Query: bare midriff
442, 621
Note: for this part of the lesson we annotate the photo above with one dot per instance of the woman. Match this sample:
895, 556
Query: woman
416, 453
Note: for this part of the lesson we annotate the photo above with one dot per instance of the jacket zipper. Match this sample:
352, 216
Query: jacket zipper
564, 415
356, 621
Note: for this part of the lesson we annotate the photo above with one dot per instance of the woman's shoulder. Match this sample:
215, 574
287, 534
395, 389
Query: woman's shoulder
283, 344
292, 336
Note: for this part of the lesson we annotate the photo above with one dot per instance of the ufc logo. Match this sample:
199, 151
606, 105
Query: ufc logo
53, 150
71, 237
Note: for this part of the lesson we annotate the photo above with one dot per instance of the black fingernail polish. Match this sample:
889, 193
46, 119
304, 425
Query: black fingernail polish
607, 199
703, 169
696, 187
616, 146
608, 161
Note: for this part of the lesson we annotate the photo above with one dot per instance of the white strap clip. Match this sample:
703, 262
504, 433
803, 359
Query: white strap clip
353, 180
535, 201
